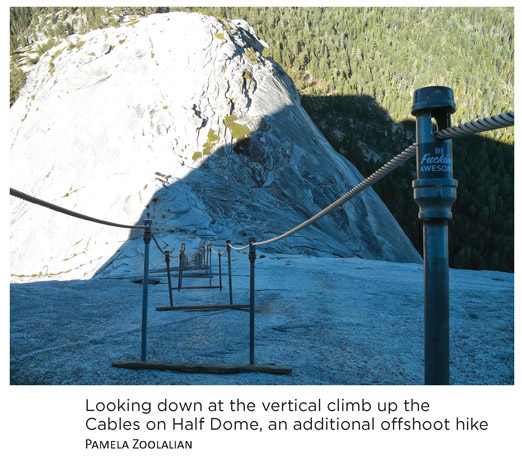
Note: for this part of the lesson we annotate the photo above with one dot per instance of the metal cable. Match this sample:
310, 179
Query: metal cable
157, 244
474, 127
238, 248
391, 165
164, 251
218, 252
40, 202
176, 256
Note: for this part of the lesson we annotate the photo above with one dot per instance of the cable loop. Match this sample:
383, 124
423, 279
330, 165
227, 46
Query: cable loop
239, 248
157, 245
217, 252
176, 256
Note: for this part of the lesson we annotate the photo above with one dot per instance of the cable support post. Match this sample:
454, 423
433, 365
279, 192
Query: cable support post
252, 260
181, 263
147, 235
210, 265
229, 259
207, 251
169, 279
220, 277
434, 191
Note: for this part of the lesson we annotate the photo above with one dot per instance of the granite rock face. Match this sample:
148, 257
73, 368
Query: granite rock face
181, 117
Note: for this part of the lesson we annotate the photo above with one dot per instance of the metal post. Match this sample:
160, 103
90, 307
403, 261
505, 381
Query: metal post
167, 262
229, 249
181, 263
435, 190
220, 279
147, 236
206, 259
252, 259
210, 265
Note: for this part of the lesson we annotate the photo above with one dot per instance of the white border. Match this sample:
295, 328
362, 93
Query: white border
45, 421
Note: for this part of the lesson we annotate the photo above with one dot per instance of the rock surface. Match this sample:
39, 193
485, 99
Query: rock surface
334, 321
177, 115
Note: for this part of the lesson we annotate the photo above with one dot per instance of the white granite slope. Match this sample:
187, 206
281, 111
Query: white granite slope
135, 119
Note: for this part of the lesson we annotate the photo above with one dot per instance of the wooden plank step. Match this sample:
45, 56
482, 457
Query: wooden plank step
187, 367
175, 269
197, 287
211, 307
200, 276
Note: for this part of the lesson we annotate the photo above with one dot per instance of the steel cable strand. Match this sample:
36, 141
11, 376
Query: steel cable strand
472, 127
164, 251
48, 205
176, 256
391, 165
508, 116
481, 125
157, 245
218, 252
238, 248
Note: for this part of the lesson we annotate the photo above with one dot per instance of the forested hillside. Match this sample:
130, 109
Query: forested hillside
356, 69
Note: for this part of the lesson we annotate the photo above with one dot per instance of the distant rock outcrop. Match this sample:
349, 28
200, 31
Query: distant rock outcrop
178, 115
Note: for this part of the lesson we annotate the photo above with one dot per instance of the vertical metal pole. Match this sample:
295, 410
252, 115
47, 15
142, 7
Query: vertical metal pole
210, 265
167, 262
252, 259
181, 263
435, 190
220, 279
147, 236
229, 271
436, 300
